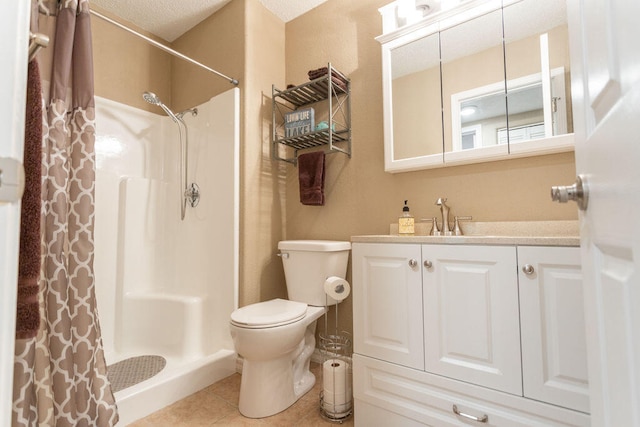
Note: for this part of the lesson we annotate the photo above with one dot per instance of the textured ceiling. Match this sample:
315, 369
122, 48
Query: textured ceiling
170, 19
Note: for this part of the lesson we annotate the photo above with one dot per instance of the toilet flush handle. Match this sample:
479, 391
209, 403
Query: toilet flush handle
284, 255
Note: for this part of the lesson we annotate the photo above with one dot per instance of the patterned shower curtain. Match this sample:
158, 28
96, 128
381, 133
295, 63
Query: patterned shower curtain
60, 376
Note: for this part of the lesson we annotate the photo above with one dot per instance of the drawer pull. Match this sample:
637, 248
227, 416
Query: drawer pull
482, 419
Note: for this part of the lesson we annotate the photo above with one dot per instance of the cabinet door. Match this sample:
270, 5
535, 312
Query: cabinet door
387, 303
471, 315
554, 352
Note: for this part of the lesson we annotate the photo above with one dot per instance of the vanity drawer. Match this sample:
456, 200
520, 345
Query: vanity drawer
408, 397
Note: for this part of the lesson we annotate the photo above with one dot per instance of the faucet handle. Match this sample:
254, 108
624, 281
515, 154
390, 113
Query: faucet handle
435, 230
434, 227
457, 231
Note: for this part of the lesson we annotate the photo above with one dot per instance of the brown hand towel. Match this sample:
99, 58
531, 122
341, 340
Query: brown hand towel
311, 178
28, 314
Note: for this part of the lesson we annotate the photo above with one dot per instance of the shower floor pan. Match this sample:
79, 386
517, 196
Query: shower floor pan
177, 380
134, 370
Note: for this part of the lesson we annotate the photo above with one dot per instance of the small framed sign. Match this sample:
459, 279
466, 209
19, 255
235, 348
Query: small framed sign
299, 122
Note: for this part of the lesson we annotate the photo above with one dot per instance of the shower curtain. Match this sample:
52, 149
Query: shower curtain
60, 375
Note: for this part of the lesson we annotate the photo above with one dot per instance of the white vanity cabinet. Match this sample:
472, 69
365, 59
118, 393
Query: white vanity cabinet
497, 338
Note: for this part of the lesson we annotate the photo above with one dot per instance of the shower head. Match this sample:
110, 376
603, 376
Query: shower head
153, 99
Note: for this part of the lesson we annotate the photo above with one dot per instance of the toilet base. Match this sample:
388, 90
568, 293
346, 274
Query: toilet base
274, 391
271, 386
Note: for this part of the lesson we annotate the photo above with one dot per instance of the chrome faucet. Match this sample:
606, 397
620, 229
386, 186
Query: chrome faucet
444, 209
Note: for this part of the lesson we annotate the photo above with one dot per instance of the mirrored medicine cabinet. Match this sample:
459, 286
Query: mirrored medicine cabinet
486, 80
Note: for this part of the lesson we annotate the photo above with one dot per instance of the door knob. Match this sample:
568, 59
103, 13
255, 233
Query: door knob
578, 192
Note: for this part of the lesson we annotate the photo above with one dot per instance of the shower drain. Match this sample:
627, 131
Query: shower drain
134, 370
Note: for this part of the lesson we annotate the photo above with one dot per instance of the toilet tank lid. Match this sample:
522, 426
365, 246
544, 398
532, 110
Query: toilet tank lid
314, 245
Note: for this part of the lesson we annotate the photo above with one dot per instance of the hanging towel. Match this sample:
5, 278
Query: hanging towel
311, 178
28, 315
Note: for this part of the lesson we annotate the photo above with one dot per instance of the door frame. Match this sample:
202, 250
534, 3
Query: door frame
13, 82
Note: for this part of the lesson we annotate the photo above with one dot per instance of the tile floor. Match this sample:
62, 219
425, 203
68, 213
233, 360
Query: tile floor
217, 405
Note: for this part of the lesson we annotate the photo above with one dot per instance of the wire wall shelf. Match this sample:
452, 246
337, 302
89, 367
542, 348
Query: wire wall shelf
330, 95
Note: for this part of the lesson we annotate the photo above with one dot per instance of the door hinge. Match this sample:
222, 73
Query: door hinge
11, 180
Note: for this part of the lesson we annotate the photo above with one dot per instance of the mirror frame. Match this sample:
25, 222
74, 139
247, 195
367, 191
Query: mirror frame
397, 37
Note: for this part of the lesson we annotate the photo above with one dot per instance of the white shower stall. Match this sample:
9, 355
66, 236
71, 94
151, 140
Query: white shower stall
166, 287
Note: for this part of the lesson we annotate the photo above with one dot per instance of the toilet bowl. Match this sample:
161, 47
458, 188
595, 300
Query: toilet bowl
275, 370
276, 338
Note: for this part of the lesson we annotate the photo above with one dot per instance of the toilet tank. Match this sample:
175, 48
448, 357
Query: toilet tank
308, 263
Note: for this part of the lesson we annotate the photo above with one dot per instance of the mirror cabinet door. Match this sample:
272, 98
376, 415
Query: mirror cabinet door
537, 72
416, 102
473, 87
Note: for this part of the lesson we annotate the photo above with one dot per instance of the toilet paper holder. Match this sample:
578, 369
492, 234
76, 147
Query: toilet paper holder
336, 397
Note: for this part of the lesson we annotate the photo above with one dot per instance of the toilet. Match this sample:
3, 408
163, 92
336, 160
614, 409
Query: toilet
276, 338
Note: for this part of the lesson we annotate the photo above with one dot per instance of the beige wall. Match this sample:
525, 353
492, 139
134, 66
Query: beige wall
125, 66
360, 197
217, 42
262, 184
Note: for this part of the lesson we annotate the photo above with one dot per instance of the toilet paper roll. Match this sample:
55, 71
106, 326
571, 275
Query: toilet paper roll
337, 288
337, 399
334, 377
337, 410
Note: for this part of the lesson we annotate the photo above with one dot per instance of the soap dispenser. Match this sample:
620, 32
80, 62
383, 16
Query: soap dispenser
406, 222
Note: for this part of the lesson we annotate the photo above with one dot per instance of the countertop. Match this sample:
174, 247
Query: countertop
524, 233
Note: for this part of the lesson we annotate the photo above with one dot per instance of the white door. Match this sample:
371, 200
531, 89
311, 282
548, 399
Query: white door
14, 21
387, 303
471, 321
605, 72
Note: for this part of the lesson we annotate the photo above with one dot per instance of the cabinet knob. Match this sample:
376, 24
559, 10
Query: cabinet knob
528, 269
413, 263
428, 264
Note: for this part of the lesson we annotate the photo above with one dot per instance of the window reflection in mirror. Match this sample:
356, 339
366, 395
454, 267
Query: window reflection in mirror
473, 84
537, 71
416, 100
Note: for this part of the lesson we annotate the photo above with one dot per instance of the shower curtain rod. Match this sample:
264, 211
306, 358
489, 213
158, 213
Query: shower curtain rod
163, 47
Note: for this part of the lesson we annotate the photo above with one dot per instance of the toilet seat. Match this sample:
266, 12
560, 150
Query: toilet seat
268, 314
